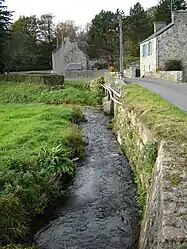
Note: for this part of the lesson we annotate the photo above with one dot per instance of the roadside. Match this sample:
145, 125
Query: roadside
175, 93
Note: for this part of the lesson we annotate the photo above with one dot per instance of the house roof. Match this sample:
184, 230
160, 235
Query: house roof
74, 66
159, 32
82, 45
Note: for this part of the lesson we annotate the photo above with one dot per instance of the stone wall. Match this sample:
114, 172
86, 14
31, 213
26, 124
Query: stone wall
169, 45
83, 74
176, 76
160, 170
165, 216
172, 43
130, 72
75, 55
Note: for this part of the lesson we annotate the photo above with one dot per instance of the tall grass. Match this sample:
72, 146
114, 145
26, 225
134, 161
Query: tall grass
73, 92
37, 149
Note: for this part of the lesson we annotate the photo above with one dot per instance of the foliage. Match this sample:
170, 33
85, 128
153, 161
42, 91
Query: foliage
163, 9
164, 120
173, 65
73, 92
31, 43
138, 26
5, 18
34, 160
67, 29
103, 35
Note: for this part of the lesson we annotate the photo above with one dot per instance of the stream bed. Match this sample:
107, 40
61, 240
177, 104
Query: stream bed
99, 210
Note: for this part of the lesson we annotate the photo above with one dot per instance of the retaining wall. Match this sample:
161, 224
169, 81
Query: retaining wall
160, 169
176, 76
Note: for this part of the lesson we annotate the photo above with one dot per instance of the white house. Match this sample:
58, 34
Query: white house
69, 56
168, 42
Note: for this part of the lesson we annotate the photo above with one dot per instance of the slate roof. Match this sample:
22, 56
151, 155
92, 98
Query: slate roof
82, 45
159, 32
74, 66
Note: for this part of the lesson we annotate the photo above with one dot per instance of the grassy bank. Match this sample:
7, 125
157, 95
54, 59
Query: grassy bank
38, 144
164, 120
143, 109
73, 92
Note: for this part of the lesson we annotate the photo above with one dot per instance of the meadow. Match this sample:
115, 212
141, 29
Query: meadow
40, 140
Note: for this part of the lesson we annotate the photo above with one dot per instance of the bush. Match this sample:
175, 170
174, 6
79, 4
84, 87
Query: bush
47, 79
173, 65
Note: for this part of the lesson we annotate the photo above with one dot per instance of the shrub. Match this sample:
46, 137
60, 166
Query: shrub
173, 65
46, 79
158, 69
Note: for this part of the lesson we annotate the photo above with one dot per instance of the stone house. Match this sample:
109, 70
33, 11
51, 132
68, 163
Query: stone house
168, 42
70, 56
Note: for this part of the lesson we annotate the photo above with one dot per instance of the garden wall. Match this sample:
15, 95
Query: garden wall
176, 76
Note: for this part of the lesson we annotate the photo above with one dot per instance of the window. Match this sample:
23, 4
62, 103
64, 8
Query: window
150, 48
144, 50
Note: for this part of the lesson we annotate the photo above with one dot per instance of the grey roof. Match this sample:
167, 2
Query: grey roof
82, 45
74, 66
159, 32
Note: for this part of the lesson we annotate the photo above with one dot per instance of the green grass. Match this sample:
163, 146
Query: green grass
37, 145
27, 128
164, 120
39, 140
73, 92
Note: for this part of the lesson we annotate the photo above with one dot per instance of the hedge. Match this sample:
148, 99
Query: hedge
47, 79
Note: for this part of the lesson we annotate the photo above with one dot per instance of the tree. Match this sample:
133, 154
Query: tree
138, 26
163, 9
103, 35
46, 28
5, 18
31, 43
67, 28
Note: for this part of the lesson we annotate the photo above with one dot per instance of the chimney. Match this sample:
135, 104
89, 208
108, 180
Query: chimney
178, 16
66, 39
159, 25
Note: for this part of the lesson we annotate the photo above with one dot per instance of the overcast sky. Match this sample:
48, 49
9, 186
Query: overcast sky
81, 11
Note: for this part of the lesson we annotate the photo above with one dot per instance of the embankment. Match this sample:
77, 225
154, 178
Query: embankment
153, 135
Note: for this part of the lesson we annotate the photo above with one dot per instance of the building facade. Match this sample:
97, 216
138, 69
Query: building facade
169, 42
69, 56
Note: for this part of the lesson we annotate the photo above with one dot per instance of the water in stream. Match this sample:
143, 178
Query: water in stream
100, 210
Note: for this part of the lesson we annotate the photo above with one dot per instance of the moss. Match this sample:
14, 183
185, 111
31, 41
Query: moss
164, 120
174, 179
142, 158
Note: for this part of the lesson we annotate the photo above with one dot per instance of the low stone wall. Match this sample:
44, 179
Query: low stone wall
130, 72
160, 169
176, 76
83, 74
165, 217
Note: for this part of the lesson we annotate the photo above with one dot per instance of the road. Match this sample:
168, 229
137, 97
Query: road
175, 93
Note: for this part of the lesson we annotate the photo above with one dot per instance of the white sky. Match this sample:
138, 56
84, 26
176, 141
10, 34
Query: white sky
81, 11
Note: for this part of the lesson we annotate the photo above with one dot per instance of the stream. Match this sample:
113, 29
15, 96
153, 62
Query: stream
100, 210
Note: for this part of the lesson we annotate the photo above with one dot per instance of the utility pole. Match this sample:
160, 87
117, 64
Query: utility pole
171, 8
121, 43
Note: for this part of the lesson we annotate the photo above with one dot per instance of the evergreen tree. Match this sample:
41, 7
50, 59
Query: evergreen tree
163, 9
5, 18
138, 26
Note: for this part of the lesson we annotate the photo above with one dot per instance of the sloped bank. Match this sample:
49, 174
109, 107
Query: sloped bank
153, 135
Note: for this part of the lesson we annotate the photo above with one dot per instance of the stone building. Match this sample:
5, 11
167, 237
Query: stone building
70, 56
169, 42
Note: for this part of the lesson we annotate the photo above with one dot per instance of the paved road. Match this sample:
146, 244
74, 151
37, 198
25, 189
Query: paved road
175, 93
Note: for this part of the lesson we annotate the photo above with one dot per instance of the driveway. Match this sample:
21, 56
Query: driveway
175, 93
